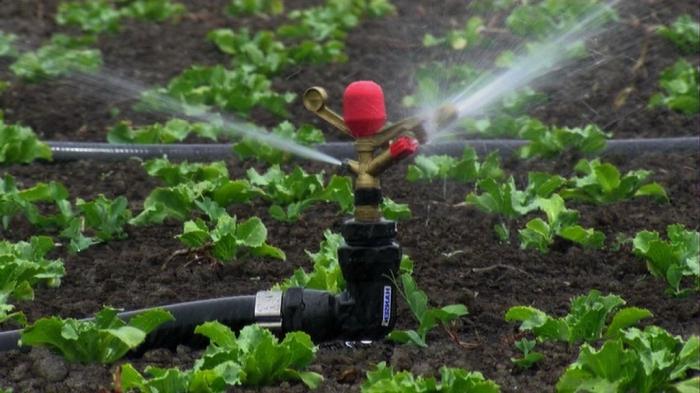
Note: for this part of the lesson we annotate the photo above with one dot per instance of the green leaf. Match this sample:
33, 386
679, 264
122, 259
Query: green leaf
684, 33
384, 379
252, 232
395, 211
588, 237
625, 318
95, 16
326, 274
19, 145
102, 340
426, 316
671, 259
105, 216
61, 56
680, 83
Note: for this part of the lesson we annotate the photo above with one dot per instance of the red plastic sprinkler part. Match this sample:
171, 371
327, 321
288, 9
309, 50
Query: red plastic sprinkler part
363, 108
403, 147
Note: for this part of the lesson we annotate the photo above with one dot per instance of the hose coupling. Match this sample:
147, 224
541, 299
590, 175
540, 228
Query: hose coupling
268, 309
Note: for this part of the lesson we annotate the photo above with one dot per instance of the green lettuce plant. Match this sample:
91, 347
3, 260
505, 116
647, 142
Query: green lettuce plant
173, 174
539, 234
591, 317
19, 144
529, 357
104, 339
672, 259
437, 80
255, 7
93, 17
466, 169
106, 217
305, 135
684, 33
98, 16
238, 90
426, 316
680, 85
643, 361
326, 274
603, 183
395, 211
541, 19
254, 357
7, 44
548, 141
23, 266
178, 202
291, 194
27, 202
228, 238
62, 55
261, 51
175, 130
151, 10
385, 379
468, 37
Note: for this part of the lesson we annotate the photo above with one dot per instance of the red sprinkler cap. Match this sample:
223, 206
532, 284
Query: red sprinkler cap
363, 108
403, 147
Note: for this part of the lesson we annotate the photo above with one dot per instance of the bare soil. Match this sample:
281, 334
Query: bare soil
457, 257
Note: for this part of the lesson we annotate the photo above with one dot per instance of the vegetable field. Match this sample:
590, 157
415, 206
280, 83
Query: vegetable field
562, 264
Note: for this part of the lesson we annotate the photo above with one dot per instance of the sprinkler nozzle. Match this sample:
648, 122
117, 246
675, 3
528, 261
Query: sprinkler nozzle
445, 115
403, 147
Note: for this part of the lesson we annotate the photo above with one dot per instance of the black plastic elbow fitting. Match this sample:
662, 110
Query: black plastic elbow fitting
366, 310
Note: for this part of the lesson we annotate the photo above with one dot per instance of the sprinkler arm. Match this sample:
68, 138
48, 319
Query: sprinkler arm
315, 101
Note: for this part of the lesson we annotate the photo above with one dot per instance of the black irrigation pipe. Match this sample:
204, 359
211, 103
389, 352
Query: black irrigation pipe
64, 151
233, 311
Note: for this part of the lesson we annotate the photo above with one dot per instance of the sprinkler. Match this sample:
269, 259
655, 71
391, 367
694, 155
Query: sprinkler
369, 257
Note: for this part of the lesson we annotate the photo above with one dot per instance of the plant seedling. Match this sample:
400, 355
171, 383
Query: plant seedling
529, 357
562, 222
684, 32
671, 259
385, 379
602, 183
104, 339
229, 238
680, 83
426, 316
22, 267
19, 145
61, 56
587, 318
254, 357
649, 360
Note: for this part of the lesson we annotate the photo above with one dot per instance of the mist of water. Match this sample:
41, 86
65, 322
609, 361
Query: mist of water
491, 87
108, 85
105, 83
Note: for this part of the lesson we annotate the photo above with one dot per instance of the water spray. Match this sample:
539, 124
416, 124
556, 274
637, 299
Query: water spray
369, 256
544, 58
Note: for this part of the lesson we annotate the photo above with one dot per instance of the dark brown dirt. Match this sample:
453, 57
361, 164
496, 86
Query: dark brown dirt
457, 257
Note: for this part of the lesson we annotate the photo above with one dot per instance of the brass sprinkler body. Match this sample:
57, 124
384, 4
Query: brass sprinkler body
378, 146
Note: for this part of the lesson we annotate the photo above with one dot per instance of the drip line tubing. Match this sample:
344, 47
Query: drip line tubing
233, 311
66, 151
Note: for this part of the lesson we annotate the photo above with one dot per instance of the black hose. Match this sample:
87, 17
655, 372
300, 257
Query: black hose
343, 150
235, 312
